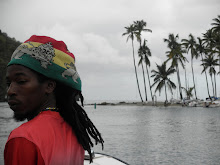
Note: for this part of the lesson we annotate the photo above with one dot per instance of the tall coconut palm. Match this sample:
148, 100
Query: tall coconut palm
209, 62
130, 31
162, 78
201, 50
216, 31
211, 42
216, 24
176, 55
190, 45
141, 59
144, 52
185, 78
216, 39
139, 28
208, 40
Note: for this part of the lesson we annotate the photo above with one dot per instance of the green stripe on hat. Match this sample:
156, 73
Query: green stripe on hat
67, 76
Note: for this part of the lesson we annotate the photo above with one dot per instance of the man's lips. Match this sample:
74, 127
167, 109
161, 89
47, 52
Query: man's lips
13, 102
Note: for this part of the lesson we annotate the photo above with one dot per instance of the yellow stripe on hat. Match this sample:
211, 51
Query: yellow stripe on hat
61, 58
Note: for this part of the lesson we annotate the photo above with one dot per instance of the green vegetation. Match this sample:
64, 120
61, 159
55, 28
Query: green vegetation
131, 32
190, 45
7, 47
207, 47
176, 55
188, 92
135, 30
162, 78
139, 28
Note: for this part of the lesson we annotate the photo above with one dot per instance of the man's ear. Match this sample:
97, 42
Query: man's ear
51, 85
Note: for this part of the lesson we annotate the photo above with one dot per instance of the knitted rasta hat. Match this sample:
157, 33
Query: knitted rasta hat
49, 57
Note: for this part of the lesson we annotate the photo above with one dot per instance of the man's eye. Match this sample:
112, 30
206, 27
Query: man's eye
22, 82
8, 84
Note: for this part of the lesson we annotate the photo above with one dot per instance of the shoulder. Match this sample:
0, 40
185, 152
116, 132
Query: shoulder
18, 149
20, 143
39, 126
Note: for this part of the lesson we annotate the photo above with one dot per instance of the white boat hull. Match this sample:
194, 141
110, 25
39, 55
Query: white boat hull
103, 159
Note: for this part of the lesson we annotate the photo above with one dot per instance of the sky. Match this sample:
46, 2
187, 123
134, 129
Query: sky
92, 30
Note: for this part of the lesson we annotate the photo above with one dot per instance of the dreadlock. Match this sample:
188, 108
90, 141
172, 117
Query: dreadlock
75, 115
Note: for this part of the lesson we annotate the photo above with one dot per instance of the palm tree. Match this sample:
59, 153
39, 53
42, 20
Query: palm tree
216, 24
209, 62
144, 52
201, 49
216, 39
216, 31
190, 45
140, 27
162, 80
188, 92
176, 55
130, 31
211, 41
208, 40
185, 78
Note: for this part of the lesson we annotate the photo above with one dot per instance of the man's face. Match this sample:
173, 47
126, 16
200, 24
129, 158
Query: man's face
25, 93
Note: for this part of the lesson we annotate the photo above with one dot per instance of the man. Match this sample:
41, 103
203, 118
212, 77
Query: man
42, 86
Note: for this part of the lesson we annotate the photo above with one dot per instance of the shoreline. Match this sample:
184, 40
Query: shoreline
149, 103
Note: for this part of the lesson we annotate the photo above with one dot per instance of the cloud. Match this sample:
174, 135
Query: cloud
93, 31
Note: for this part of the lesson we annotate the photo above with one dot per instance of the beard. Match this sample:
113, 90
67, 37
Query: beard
19, 117
23, 116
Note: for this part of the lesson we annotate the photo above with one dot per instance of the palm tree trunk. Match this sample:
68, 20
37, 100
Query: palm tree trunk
149, 83
145, 89
179, 82
185, 79
219, 65
213, 90
166, 91
193, 78
219, 62
215, 86
136, 72
166, 101
144, 80
207, 83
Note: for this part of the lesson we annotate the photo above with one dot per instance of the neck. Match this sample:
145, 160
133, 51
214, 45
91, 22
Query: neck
50, 102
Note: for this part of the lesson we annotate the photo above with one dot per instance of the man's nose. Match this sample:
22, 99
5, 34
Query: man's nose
11, 90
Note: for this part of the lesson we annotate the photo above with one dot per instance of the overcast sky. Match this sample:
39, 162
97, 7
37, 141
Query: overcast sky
92, 30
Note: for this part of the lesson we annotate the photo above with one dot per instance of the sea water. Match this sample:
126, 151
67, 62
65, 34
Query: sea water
145, 135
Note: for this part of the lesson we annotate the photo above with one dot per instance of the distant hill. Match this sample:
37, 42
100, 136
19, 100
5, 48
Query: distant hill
7, 47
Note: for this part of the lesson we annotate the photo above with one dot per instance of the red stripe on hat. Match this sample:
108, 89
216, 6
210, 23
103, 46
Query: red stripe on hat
60, 45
